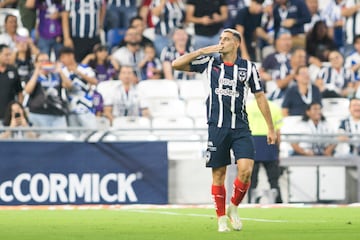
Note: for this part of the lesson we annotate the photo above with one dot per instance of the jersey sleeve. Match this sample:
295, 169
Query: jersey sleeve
200, 64
254, 80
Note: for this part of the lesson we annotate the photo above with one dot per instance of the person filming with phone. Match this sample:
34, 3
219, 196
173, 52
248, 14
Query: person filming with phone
15, 117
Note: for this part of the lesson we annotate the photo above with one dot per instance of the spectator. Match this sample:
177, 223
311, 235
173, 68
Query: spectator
150, 67
10, 84
351, 12
318, 42
132, 53
335, 80
265, 155
49, 28
145, 13
353, 61
81, 23
299, 96
234, 6
45, 87
313, 124
8, 3
248, 23
291, 15
9, 34
351, 125
276, 67
208, 18
22, 58
104, 66
80, 93
124, 99
170, 14
333, 13
316, 15
119, 13
180, 46
28, 16
138, 23
15, 117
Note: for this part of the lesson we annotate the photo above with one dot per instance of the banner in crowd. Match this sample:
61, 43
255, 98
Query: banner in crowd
45, 173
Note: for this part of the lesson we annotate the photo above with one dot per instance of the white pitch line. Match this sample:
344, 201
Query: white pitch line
203, 215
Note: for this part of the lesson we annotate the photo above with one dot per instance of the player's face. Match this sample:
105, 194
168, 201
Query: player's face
228, 42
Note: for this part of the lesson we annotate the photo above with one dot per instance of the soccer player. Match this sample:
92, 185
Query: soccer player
230, 79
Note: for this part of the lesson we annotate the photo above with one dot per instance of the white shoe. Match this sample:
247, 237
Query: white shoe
235, 221
222, 223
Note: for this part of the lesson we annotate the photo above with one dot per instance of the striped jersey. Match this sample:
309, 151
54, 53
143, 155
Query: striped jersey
122, 3
84, 17
172, 16
229, 85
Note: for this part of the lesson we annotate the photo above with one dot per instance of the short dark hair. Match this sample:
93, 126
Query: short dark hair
66, 50
9, 16
137, 17
2, 46
357, 37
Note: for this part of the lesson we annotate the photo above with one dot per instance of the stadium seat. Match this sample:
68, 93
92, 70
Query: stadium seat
106, 88
192, 89
114, 36
338, 107
166, 107
131, 129
195, 107
174, 128
289, 124
158, 89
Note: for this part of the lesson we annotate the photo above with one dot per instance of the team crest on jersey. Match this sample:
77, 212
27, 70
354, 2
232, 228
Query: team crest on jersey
242, 75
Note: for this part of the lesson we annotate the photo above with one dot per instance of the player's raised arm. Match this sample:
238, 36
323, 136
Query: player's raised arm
182, 63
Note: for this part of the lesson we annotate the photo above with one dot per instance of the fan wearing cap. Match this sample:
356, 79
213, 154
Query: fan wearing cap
230, 78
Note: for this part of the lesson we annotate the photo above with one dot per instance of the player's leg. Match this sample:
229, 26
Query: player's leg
218, 192
240, 187
218, 157
244, 151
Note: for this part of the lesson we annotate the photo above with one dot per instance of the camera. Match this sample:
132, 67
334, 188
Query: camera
17, 115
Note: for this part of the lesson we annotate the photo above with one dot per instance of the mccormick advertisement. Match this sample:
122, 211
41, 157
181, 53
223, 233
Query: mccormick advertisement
45, 173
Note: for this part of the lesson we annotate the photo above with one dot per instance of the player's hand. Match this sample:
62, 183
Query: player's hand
211, 49
271, 137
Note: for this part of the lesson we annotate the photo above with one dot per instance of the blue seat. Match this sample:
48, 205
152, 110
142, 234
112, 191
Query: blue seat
114, 36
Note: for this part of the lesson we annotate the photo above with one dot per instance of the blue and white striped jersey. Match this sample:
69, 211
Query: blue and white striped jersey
122, 3
84, 17
172, 16
229, 86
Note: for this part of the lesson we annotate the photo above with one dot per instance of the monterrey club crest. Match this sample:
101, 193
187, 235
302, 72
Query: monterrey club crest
242, 75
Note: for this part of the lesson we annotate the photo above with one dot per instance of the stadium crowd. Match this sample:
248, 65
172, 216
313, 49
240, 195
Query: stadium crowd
71, 63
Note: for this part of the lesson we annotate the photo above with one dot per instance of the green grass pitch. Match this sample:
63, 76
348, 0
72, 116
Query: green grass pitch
318, 223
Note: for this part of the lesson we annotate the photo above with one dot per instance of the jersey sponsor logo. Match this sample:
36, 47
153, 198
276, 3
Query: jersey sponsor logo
227, 92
